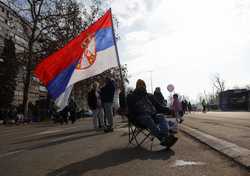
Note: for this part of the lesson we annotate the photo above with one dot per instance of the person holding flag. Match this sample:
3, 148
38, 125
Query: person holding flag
107, 96
90, 53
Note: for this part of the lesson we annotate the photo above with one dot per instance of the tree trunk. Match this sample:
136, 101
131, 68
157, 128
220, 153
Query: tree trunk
28, 69
26, 87
27, 77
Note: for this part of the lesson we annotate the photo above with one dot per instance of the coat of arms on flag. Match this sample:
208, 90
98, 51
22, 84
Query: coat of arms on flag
90, 53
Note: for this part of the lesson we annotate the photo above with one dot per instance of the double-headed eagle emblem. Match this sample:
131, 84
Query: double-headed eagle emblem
89, 53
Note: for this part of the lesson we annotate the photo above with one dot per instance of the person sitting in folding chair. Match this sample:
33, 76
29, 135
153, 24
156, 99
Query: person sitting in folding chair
144, 110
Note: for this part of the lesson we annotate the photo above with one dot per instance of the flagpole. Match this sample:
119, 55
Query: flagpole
117, 54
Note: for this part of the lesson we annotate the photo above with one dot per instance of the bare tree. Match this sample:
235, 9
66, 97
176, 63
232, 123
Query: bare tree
59, 29
218, 83
48, 25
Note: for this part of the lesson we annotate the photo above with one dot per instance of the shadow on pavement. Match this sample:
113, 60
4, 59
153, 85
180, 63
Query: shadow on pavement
44, 125
60, 141
62, 134
109, 159
64, 141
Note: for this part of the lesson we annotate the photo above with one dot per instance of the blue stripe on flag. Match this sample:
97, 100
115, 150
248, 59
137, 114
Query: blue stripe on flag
104, 39
59, 83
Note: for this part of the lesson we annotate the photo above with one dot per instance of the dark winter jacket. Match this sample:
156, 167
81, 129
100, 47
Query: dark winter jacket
142, 103
107, 92
159, 97
92, 99
72, 108
122, 99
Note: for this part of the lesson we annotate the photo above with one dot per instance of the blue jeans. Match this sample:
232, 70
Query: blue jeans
98, 115
158, 125
108, 110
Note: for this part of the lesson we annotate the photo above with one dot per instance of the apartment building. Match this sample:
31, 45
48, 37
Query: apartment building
14, 26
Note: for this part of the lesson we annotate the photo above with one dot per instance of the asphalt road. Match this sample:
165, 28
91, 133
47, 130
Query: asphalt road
230, 126
72, 150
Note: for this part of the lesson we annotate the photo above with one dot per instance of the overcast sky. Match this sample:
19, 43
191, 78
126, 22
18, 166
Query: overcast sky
185, 42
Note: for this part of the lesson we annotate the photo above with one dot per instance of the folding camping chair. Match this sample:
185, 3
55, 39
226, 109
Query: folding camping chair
138, 134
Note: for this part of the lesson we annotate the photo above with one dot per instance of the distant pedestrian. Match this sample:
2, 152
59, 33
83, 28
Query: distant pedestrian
95, 104
203, 106
12, 114
159, 97
36, 113
72, 111
8, 117
20, 114
107, 97
123, 106
189, 107
30, 115
5, 116
64, 114
184, 105
20, 118
177, 109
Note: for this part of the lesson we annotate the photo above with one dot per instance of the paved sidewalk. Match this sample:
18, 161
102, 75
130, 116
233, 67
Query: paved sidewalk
228, 133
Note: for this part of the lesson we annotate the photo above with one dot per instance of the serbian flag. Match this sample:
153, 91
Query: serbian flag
90, 53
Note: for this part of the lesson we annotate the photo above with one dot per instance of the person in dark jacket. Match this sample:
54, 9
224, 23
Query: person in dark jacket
64, 115
72, 111
159, 97
184, 106
107, 97
5, 116
204, 106
144, 110
95, 104
122, 103
12, 113
189, 107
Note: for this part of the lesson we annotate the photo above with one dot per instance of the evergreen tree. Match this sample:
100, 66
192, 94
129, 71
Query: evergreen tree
8, 73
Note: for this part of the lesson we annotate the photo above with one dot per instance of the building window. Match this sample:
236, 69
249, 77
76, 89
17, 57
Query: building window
8, 14
2, 9
6, 21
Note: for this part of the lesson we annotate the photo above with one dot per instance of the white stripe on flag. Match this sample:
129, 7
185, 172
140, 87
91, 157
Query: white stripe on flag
105, 60
62, 100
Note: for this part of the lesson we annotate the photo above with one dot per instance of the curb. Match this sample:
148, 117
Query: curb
238, 154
